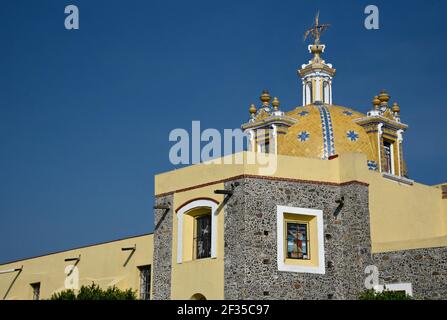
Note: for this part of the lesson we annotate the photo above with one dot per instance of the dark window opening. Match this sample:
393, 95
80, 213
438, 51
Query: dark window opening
203, 237
36, 290
145, 282
267, 147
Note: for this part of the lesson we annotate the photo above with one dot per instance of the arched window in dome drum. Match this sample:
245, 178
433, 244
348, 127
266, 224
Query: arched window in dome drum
326, 92
388, 157
309, 93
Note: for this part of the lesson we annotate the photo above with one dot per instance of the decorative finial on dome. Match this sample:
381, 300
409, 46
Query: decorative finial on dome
252, 110
384, 98
376, 102
396, 108
265, 98
275, 103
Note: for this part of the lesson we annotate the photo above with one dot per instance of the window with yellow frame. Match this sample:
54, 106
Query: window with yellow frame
300, 241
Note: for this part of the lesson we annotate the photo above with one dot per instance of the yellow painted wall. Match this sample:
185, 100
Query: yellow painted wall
102, 264
443, 186
444, 202
404, 213
287, 167
204, 276
445, 215
402, 216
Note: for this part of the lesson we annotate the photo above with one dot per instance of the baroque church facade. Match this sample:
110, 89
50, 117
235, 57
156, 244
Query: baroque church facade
339, 214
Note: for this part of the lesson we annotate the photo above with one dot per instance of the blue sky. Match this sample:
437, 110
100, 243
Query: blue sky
85, 115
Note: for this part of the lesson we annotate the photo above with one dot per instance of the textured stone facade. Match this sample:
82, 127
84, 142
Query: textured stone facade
251, 270
425, 269
250, 248
162, 249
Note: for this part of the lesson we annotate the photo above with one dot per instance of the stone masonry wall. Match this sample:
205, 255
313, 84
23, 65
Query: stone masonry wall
250, 240
425, 269
250, 245
162, 249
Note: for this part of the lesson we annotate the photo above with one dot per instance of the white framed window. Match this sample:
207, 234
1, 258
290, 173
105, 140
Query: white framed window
403, 287
309, 93
326, 92
191, 207
300, 251
388, 149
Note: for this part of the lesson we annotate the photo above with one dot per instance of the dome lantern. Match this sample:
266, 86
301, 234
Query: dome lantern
317, 74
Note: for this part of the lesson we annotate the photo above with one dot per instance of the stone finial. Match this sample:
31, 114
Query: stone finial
265, 98
376, 102
396, 108
252, 110
275, 103
384, 98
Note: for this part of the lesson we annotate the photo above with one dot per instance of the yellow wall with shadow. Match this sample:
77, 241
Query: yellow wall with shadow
103, 264
401, 216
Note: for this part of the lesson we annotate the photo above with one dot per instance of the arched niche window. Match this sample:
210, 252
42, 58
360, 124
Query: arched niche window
326, 92
388, 155
197, 230
198, 296
309, 93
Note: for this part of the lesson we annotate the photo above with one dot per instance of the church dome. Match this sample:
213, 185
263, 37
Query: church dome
322, 131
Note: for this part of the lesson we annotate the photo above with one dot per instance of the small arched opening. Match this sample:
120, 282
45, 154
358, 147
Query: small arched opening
197, 296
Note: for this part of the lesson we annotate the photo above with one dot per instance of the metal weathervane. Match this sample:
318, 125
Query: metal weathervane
317, 30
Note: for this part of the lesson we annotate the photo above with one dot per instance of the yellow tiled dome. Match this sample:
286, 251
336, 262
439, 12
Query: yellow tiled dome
322, 131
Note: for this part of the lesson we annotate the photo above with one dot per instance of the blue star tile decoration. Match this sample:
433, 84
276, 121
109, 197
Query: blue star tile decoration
372, 165
352, 135
347, 113
303, 136
303, 113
